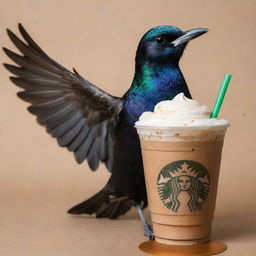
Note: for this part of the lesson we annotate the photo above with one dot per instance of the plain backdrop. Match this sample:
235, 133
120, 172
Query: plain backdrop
39, 181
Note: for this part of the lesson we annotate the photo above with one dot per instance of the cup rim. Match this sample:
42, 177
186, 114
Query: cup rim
152, 127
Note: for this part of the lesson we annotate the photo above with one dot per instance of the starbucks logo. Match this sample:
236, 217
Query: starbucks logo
187, 176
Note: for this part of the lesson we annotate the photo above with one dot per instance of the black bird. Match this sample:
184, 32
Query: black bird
96, 125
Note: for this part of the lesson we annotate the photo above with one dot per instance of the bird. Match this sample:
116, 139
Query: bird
95, 125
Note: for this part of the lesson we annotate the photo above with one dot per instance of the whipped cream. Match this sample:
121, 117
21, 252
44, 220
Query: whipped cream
179, 112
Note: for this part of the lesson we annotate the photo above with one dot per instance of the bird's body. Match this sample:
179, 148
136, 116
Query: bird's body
95, 125
151, 84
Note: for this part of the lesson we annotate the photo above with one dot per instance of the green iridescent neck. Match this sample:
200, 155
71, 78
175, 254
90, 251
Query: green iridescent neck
144, 76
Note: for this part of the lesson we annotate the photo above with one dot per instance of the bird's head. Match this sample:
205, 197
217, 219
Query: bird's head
165, 44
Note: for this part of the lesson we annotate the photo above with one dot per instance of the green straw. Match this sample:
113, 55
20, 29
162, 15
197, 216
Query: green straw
221, 95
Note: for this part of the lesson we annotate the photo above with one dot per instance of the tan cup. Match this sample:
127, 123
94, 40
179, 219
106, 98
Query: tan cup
181, 168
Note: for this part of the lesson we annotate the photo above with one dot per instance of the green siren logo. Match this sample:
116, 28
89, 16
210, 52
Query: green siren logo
187, 176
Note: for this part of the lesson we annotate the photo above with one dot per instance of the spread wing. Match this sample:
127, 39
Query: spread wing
80, 115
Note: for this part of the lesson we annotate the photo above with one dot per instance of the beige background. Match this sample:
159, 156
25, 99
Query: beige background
40, 181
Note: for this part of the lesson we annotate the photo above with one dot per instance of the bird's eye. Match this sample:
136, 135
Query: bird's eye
160, 40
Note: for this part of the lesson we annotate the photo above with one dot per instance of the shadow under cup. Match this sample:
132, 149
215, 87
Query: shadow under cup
181, 166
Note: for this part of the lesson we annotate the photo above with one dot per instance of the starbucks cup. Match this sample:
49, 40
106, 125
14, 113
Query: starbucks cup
181, 165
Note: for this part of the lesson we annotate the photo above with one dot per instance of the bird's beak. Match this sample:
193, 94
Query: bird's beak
189, 35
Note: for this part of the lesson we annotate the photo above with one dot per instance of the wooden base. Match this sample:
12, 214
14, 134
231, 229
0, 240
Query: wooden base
209, 248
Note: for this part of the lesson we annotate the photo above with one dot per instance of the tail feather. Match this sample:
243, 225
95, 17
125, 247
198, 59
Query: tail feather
124, 207
103, 206
107, 212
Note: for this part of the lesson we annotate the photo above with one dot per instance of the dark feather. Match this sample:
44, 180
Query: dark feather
34, 85
65, 126
52, 105
75, 71
71, 134
102, 150
82, 152
29, 64
79, 138
109, 145
103, 205
93, 158
37, 97
30, 41
54, 119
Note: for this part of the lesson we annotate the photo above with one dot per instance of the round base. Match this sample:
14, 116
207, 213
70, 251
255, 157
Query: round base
209, 248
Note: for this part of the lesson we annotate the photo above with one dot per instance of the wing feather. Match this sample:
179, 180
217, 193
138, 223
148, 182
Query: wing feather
80, 115
43, 108
63, 128
79, 138
93, 158
71, 134
82, 151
